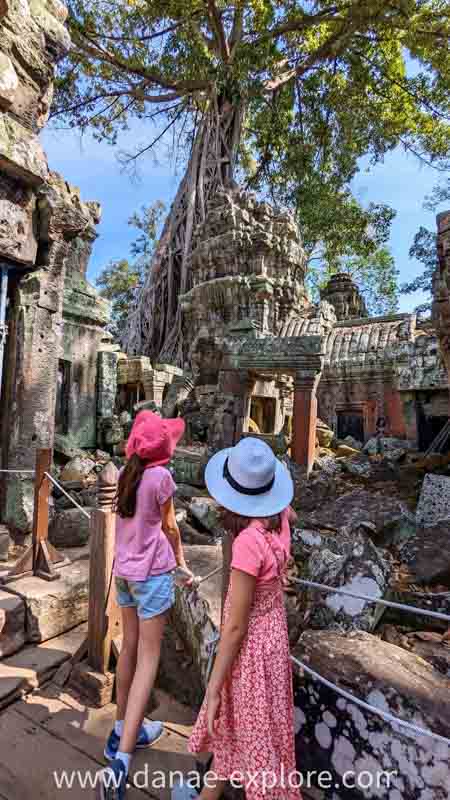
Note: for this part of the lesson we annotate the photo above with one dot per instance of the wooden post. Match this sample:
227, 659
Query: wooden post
41, 556
92, 678
104, 614
103, 611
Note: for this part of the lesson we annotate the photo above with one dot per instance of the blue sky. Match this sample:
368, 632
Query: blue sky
92, 166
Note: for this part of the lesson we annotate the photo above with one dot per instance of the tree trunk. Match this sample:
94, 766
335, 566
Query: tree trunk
155, 326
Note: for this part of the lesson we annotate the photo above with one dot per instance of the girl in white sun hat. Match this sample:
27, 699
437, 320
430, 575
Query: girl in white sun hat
246, 720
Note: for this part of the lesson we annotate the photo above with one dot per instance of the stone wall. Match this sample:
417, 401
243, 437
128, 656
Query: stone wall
54, 317
375, 366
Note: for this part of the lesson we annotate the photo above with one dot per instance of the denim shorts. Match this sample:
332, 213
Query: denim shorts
150, 598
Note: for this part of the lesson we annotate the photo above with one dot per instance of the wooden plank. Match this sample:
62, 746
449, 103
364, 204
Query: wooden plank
104, 615
85, 729
30, 757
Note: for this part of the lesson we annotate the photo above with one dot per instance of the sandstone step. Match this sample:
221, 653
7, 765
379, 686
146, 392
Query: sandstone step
12, 624
36, 664
56, 606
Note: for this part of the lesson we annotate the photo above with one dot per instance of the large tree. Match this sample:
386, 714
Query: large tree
288, 92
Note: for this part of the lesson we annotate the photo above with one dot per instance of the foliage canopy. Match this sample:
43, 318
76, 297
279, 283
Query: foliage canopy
314, 84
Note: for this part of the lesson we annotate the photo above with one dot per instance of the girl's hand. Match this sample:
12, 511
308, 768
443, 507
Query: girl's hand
183, 575
212, 708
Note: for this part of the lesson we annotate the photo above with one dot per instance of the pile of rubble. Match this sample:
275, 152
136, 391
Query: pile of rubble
375, 524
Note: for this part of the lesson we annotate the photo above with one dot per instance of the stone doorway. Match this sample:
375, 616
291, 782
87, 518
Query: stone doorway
428, 428
350, 423
432, 415
262, 412
298, 356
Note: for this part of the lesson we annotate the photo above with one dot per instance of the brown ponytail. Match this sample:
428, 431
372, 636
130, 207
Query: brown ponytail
129, 481
236, 523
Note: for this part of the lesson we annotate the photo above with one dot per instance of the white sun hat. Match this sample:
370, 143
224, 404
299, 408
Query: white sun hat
249, 480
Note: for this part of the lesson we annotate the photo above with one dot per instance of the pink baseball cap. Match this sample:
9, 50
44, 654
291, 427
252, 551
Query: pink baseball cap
153, 438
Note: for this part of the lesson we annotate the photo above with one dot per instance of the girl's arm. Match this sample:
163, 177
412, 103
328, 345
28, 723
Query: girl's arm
233, 634
172, 531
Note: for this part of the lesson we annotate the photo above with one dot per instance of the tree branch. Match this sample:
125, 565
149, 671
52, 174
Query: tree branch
98, 52
238, 27
211, 44
305, 21
329, 49
155, 140
216, 23
147, 38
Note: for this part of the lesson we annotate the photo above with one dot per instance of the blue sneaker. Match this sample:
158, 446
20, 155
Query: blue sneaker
148, 735
112, 783
181, 791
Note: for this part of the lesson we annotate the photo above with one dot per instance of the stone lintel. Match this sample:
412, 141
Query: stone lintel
287, 355
169, 368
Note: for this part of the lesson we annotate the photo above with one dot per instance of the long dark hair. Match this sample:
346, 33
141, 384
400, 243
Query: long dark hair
236, 523
130, 478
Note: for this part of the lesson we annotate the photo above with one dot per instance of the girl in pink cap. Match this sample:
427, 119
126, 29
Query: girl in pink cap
148, 549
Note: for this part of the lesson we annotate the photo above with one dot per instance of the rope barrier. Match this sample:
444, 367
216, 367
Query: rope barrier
416, 729
384, 714
19, 471
321, 587
199, 581
55, 483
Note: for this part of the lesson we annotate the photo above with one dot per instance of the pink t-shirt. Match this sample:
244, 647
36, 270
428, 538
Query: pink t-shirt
260, 553
142, 549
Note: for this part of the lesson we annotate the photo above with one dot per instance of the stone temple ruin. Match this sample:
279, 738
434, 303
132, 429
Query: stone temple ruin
255, 343
261, 358
258, 352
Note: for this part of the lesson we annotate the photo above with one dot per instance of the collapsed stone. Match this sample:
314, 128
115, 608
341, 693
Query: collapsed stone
333, 734
434, 501
354, 565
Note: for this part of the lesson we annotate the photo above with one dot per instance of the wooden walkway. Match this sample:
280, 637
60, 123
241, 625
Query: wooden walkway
50, 731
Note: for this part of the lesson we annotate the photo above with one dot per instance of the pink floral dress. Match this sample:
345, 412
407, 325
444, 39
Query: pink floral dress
254, 735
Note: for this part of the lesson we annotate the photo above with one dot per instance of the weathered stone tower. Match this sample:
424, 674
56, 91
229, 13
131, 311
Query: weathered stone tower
345, 297
247, 265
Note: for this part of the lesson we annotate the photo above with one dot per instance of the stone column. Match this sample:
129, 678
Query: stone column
305, 418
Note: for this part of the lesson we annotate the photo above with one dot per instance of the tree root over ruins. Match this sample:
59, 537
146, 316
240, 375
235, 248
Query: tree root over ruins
155, 325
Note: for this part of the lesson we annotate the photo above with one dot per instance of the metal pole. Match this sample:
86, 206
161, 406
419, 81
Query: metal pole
3, 298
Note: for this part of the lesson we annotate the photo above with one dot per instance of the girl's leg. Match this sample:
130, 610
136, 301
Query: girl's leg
148, 654
126, 665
